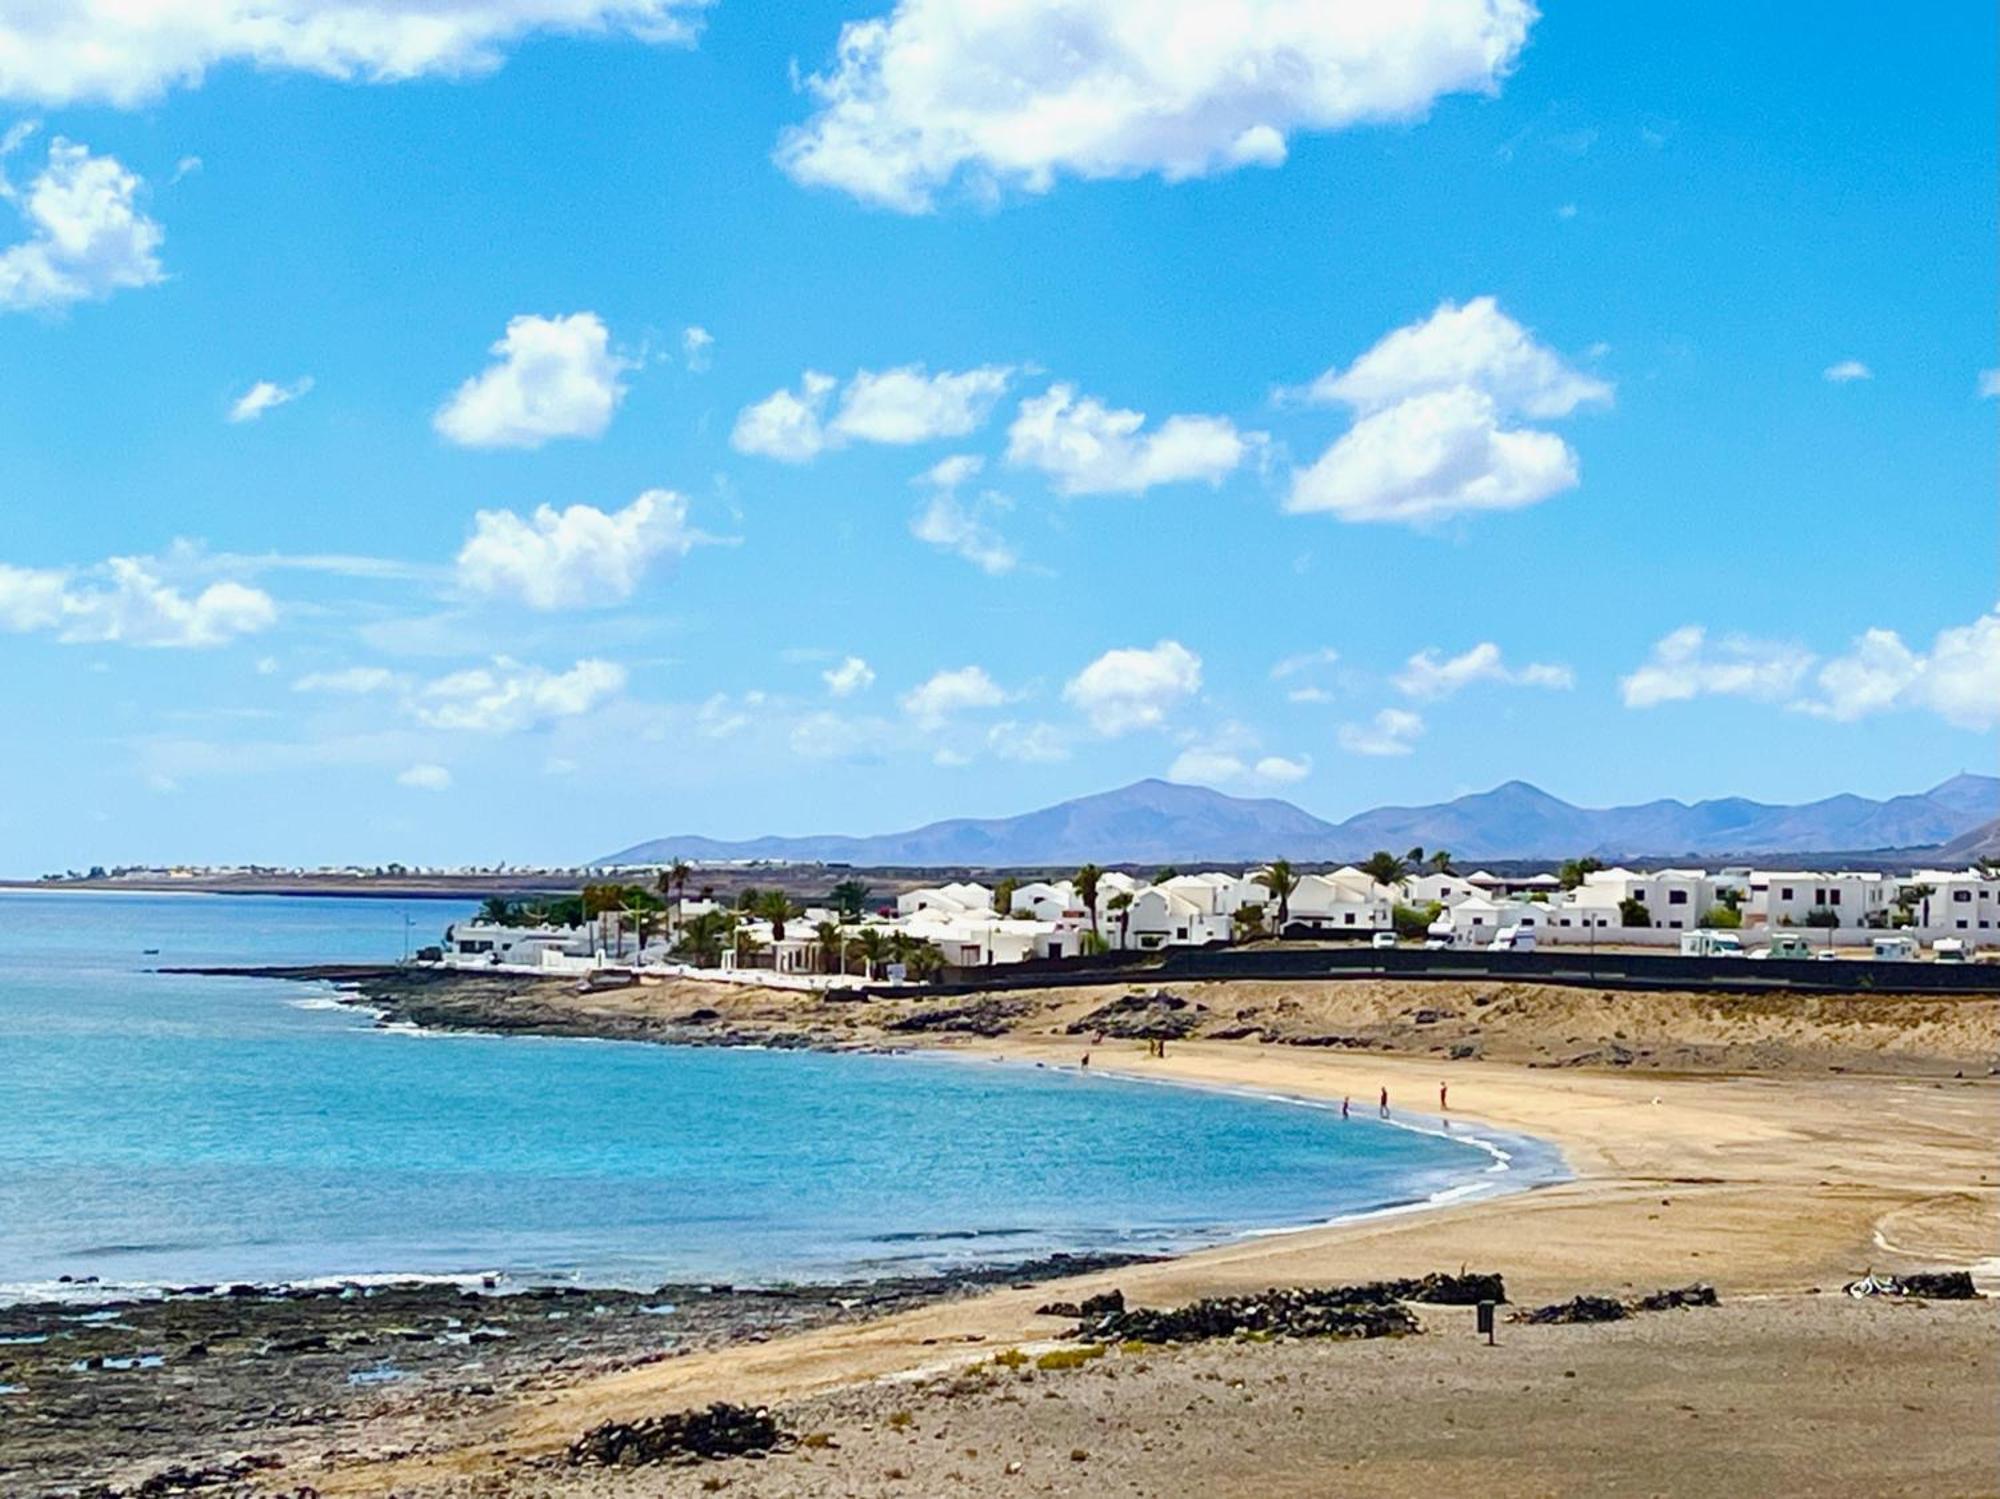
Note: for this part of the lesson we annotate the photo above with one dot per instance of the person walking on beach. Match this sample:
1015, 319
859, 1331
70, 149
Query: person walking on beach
1346, 1105
1385, 1103
1443, 1107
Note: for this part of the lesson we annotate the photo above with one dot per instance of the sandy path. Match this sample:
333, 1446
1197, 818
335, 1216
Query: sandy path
1753, 1184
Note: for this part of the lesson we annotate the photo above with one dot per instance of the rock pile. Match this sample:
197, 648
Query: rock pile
1610, 1309
1158, 1016
1296, 1312
1439, 1289
1941, 1285
1664, 1301
974, 1017
1090, 1306
722, 1430
1577, 1309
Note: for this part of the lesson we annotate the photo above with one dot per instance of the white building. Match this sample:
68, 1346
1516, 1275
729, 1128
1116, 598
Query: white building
1962, 903
1780, 897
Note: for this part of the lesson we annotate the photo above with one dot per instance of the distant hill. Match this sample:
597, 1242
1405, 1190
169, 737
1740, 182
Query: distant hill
1153, 821
1982, 842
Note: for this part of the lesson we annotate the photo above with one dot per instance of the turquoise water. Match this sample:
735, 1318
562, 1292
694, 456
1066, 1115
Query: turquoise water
165, 1129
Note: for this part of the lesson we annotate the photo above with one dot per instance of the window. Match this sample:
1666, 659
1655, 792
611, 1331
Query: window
1833, 897
1677, 897
1961, 896
1350, 918
1785, 892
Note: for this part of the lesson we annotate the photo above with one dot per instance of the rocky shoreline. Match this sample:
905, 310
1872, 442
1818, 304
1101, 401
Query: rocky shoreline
98, 1395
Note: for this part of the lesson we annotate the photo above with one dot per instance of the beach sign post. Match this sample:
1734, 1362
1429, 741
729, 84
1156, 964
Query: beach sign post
1486, 1311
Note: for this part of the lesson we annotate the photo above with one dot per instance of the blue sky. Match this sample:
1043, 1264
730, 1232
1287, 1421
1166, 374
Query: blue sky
1678, 479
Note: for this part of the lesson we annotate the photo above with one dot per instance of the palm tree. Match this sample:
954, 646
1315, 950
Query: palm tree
925, 961
1279, 878
1086, 881
1384, 868
1247, 921
1165, 873
703, 938
827, 934
1441, 862
873, 947
1415, 857
775, 907
1122, 904
850, 898
496, 910
1003, 896
673, 884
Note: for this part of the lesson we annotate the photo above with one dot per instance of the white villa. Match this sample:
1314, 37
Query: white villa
1049, 918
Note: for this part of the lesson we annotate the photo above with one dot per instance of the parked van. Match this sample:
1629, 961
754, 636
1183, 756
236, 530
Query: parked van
1785, 945
1513, 939
1949, 949
1710, 944
1894, 949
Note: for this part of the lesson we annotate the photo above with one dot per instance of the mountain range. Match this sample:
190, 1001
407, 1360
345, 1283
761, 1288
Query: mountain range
1154, 822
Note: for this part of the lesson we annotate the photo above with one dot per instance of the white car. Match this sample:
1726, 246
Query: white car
1383, 939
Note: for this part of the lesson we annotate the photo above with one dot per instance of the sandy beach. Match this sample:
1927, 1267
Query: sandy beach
1776, 1186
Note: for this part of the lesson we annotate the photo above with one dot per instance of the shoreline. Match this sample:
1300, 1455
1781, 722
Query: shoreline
1776, 1185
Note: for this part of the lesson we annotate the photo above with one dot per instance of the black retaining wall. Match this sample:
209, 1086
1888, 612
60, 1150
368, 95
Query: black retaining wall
1563, 965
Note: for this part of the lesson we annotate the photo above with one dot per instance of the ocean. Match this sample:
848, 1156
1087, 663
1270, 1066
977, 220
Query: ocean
158, 1129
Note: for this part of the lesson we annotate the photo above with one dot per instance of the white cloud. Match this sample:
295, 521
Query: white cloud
697, 348
936, 701
828, 736
1989, 384
1202, 765
567, 559
1686, 664
350, 681
87, 236
851, 676
126, 602
898, 406
426, 777
784, 425
1393, 731
906, 405
1133, 688
1430, 438
1014, 93
117, 52
555, 377
1476, 346
1846, 372
1205, 764
1088, 448
961, 526
508, 696
1427, 675
1958, 678
266, 394
1303, 661
1280, 771
1029, 743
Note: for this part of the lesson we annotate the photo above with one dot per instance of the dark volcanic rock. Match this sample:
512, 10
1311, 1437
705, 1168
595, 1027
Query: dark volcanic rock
1091, 1306
1578, 1309
1159, 1016
976, 1017
722, 1430
1365, 1311
1694, 1295
1941, 1285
